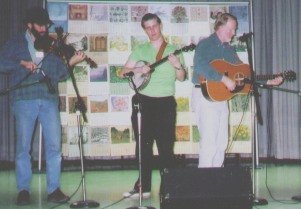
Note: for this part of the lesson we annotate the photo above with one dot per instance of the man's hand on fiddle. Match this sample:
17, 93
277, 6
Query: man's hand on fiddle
29, 65
77, 58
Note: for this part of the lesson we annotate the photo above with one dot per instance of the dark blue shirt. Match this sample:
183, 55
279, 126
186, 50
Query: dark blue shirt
15, 50
210, 49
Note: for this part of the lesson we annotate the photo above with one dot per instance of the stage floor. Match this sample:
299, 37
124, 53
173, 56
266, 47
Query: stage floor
106, 187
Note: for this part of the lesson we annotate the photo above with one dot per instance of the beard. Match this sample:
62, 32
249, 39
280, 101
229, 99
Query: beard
38, 34
42, 40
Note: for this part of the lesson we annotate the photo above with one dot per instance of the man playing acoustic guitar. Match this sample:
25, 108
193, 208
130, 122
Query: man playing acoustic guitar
156, 99
212, 116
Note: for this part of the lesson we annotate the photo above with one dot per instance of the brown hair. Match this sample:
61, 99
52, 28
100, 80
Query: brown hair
222, 19
150, 16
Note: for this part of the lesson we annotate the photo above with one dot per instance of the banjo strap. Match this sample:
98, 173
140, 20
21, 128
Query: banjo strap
161, 50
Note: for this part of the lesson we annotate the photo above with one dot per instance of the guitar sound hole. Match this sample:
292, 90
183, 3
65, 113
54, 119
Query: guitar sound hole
239, 79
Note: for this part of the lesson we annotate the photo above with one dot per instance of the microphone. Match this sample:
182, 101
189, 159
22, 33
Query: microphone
128, 74
47, 80
245, 37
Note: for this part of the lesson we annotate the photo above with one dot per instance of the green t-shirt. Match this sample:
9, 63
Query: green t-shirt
162, 82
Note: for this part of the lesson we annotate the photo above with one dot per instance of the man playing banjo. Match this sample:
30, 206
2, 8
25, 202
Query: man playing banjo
156, 100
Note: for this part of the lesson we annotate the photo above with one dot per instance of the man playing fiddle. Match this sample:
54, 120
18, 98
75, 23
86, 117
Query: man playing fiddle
26, 65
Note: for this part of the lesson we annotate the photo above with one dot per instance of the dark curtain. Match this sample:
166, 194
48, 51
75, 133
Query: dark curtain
277, 43
11, 15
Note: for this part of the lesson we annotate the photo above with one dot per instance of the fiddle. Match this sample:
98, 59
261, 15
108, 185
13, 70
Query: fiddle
58, 46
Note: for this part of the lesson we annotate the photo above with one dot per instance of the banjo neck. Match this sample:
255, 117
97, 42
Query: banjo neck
156, 64
141, 80
159, 62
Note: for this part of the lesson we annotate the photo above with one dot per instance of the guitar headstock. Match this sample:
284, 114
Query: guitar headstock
189, 47
185, 49
288, 75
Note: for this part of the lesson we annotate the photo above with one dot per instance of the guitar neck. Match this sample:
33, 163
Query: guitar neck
266, 77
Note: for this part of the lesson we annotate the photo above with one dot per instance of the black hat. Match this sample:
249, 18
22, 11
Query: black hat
37, 15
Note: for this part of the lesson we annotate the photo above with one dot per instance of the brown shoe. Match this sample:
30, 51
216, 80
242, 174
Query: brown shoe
23, 198
57, 196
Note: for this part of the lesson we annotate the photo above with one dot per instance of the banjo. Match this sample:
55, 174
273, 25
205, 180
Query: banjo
141, 80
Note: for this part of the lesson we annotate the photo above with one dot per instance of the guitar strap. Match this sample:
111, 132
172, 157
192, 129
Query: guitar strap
161, 50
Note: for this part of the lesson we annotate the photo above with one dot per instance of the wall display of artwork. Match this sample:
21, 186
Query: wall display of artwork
107, 32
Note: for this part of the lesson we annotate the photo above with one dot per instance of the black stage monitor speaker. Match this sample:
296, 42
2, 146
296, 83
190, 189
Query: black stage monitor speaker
206, 188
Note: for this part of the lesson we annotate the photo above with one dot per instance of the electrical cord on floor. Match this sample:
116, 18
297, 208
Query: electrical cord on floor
58, 205
114, 203
82, 178
269, 135
288, 202
72, 195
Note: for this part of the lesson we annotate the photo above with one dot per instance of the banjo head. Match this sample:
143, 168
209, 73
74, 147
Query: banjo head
140, 79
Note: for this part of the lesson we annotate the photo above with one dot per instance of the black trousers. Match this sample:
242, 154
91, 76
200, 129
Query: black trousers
158, 120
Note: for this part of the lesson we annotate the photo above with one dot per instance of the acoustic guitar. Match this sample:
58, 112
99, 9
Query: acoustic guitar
141, 80
239, 73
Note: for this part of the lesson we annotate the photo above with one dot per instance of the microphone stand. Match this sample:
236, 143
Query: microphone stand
296, 197
137, 106
7, 90
81, 108
20, 85
264, 86
279, 89
256, 200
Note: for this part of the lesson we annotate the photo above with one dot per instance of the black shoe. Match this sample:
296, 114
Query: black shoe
58, 197
23, 198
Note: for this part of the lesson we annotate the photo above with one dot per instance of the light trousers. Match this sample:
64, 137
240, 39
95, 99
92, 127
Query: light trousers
212, 119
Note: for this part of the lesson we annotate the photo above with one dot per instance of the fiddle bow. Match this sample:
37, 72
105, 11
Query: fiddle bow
67, 51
